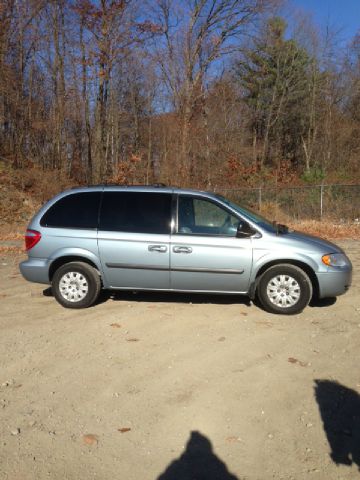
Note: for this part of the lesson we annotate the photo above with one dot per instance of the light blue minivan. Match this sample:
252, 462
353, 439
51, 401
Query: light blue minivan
169, 239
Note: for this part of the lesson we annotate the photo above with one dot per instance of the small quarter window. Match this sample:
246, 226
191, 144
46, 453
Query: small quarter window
137, 212
77, 210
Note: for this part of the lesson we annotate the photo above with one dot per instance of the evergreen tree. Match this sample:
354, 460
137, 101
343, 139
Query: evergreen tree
275, 77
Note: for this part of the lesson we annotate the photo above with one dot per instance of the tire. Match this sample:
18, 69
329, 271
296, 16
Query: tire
284, 289
76, 285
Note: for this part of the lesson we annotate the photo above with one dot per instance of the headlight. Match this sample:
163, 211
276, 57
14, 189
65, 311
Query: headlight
335, 260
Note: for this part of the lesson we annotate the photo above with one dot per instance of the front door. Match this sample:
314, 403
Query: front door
205, 254
134, 239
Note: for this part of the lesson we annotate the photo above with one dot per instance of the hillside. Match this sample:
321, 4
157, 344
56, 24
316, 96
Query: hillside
22, 192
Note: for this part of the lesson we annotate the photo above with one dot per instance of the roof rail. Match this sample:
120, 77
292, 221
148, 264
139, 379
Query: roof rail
91, 185
155, 185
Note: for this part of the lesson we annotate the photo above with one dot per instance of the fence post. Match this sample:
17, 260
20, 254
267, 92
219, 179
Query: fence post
260, 198
321, 200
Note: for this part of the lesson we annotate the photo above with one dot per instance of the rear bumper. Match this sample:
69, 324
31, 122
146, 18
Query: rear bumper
35, 270
334, 283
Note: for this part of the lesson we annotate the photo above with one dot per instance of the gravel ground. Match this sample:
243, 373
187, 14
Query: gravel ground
177, 387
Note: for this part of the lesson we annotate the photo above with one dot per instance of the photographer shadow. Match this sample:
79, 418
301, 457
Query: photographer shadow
340, 412
197, 462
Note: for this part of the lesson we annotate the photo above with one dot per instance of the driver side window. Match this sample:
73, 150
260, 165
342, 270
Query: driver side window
202, 217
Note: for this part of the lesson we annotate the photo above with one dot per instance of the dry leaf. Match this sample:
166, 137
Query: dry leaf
90, 439
124, 429
233, 439
295, 360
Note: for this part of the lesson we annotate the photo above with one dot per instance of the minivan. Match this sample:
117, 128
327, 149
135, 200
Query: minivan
169, 239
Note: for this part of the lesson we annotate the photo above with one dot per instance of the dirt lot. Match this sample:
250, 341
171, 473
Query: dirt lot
171, 387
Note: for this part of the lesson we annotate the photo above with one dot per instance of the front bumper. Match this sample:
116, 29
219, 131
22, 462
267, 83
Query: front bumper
35, 270
334, 283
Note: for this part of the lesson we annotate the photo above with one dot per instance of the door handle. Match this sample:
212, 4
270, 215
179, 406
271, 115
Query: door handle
182, 249
157, 248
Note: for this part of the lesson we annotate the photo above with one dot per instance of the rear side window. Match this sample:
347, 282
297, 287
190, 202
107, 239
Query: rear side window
137, 212
77, 210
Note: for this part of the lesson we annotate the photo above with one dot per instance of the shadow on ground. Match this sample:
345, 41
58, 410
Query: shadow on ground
47, 292
165, 297
322, 302
171, 297
195, 298
198, 462
340, 412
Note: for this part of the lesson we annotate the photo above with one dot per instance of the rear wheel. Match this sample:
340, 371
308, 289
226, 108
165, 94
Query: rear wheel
284, 289
76, 285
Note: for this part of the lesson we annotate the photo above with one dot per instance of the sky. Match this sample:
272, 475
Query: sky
341, 14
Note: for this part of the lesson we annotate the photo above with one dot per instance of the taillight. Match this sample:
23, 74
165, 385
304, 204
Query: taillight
32, 237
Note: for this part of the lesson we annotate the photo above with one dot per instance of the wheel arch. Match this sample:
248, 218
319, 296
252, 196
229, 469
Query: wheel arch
297, 263
60, 261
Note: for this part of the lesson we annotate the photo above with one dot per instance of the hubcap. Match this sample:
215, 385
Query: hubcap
73, 286
283, 291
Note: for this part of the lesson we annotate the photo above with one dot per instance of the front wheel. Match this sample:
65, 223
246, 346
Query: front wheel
284, 289
76, 285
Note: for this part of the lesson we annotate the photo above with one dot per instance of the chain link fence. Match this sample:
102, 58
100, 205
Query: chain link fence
338, 203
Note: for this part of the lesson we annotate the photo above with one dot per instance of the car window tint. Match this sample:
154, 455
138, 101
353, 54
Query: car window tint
77, 210
198, 216
137, 212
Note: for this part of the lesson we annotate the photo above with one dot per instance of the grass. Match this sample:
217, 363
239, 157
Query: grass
328, 229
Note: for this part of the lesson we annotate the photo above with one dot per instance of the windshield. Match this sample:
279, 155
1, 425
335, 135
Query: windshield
252, 216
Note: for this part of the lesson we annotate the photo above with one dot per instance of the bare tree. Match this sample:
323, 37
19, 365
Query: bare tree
191, 47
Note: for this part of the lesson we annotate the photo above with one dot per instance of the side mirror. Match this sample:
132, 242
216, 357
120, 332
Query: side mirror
244, 230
